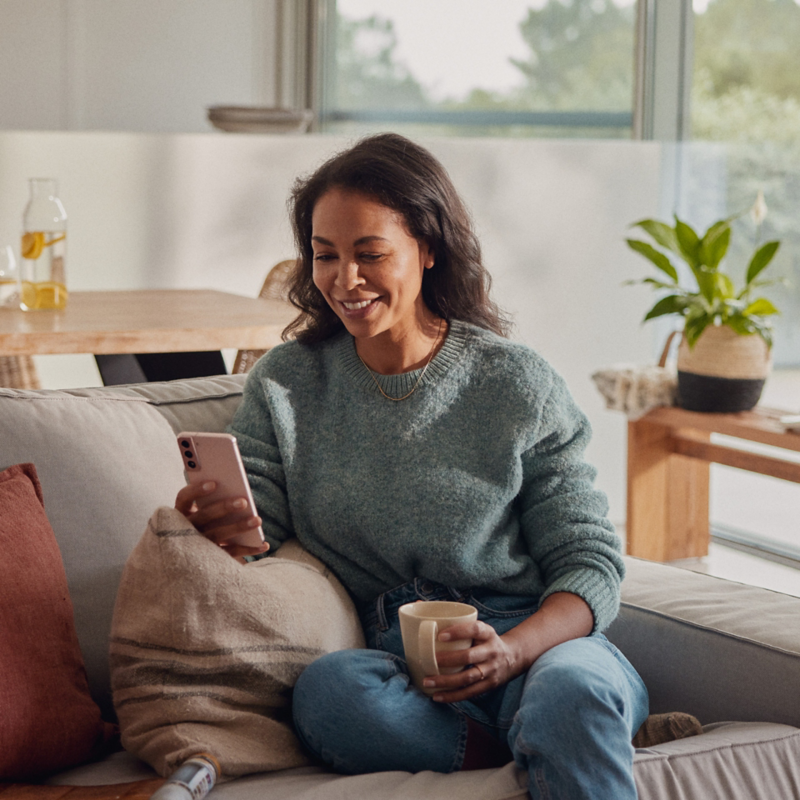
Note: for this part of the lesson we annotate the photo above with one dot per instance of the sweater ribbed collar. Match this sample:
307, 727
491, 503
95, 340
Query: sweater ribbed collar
398, 385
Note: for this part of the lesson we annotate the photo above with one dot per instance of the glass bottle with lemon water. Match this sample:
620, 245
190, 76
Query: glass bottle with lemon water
43, 248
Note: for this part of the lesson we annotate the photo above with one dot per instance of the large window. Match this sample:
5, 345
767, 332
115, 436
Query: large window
745, 113
515, 67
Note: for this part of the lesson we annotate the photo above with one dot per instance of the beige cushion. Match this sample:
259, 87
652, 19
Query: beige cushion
205, 650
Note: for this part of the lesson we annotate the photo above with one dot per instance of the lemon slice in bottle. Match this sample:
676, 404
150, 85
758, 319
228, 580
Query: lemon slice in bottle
32, 244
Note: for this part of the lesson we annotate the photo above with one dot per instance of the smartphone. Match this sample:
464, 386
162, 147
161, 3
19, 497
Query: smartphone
215, 457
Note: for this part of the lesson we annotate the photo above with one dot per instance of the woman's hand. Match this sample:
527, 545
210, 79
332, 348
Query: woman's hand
209, 520
492, 662
496, 659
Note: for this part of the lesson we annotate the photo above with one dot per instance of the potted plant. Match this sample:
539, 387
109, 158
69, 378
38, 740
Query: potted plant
724, 355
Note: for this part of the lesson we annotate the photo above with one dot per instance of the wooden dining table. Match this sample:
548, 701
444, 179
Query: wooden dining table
146, 321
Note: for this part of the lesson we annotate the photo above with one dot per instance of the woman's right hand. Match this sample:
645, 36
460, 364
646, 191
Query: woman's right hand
208, 520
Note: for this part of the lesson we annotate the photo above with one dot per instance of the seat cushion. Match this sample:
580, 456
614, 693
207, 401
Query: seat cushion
731, 760
734, 760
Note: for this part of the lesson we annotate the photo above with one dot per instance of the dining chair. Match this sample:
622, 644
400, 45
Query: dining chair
274, 288
18, 372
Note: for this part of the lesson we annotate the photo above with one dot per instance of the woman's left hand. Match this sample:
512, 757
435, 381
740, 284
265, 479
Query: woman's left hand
490, 662
494, 660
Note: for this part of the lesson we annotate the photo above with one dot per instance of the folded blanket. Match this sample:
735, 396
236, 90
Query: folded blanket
205, 650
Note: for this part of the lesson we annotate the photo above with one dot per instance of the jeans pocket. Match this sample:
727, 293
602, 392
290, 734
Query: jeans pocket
503, 606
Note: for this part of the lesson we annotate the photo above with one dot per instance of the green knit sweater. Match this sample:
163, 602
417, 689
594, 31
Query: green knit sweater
476, 480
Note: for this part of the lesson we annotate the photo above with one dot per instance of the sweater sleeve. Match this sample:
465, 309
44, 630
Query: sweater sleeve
258, 443
563, 517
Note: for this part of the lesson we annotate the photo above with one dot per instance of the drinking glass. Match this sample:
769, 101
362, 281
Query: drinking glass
9, 278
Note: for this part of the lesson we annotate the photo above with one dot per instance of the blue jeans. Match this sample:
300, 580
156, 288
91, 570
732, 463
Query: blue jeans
569, 722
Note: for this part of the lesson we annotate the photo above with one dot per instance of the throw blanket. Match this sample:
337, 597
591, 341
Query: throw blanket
205, 650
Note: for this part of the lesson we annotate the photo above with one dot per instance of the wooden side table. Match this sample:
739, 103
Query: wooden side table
669, 454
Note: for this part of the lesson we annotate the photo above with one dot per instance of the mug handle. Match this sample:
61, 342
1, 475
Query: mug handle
428, 629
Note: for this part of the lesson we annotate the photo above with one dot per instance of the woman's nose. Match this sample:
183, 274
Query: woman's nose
348, 276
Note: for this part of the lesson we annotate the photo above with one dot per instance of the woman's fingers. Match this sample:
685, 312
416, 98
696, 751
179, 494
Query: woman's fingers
187, 496
220, 510
215, 521
483, 666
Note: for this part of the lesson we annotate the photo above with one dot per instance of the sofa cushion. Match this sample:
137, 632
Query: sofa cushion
734, 760
710, 647
205, 650
48, 720
105, 464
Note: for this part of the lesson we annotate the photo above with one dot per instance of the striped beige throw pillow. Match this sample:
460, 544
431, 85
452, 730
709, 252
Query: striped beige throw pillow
205, 650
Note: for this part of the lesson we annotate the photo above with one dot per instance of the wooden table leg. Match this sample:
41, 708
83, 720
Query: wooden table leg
667, 516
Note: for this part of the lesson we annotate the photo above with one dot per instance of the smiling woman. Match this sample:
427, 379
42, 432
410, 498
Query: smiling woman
422, 456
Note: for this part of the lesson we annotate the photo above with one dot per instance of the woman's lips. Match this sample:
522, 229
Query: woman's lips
356, 309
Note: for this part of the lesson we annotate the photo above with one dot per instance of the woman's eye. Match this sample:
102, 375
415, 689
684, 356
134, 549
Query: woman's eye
370, 256
324, 257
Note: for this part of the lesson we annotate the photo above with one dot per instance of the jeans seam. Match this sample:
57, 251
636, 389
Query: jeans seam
461, 748
541, 784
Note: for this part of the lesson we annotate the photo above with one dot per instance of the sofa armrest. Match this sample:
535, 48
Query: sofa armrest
713, 648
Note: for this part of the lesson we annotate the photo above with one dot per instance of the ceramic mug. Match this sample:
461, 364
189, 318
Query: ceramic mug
420, 626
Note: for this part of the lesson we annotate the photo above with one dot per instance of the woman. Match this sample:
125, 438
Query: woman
422, 455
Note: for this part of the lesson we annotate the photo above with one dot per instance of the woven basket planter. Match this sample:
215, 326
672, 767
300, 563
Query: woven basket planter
724, 372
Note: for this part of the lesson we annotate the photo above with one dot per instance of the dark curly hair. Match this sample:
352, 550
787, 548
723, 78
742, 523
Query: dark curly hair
405, 177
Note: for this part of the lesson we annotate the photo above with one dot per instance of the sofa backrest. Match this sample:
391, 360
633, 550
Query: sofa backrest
711, 647
107, 458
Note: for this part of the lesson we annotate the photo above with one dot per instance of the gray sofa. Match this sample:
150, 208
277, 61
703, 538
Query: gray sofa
727, 653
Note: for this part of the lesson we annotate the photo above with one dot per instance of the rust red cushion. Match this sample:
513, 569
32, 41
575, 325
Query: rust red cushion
48, 720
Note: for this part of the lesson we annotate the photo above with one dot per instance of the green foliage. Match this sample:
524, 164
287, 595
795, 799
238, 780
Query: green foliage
712, 298
368, 74
581, 56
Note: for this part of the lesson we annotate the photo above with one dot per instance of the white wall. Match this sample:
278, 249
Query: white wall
134, 65
209, 210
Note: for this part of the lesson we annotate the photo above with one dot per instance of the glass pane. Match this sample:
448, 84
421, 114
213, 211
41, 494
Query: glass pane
516, 67
746, 94
746, 98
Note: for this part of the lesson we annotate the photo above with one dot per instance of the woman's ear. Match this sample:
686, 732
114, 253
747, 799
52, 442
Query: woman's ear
428, 258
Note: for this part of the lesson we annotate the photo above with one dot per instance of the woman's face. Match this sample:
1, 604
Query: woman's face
367, 265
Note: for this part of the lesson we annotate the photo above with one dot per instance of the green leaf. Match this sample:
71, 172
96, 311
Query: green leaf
725, 287
694, 328
760, 259
656, 284
658, 258
662, 233
706, 282
688, 242
740, 324
672, 304
761, 308
715, 243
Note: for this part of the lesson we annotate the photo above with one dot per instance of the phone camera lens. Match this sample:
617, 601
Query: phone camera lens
188, 453
191, 464
185, 443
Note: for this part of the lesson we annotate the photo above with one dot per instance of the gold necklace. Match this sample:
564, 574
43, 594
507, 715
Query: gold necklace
424, 370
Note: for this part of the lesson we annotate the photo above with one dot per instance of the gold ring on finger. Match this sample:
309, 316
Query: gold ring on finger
480, 672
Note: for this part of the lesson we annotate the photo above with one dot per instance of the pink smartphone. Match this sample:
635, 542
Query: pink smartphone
215, 457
